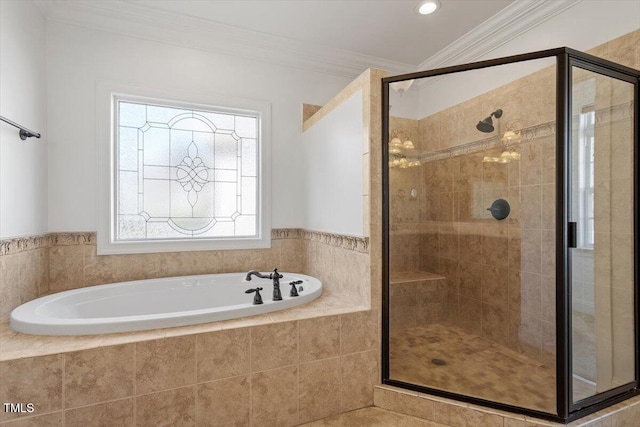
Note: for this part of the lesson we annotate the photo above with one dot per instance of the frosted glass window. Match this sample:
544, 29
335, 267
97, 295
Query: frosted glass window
184, 173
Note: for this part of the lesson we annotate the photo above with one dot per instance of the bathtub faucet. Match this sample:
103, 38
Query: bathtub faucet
275, 276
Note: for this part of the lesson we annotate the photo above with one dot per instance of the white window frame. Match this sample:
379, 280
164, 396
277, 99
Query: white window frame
586, 139
107, 95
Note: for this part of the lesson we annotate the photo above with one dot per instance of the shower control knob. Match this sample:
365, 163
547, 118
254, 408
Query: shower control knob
500, 209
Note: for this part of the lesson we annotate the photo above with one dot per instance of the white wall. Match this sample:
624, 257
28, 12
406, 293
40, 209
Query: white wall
584, 26
78, 57
333, 170
23, 164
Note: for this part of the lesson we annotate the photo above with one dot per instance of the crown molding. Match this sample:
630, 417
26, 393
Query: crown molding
152, 24
121, 17
512, 21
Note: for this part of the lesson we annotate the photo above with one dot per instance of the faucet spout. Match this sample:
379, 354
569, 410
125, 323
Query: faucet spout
275, 276
257, 274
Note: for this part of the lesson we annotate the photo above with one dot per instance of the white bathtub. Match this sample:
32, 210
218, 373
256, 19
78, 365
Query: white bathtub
156, 303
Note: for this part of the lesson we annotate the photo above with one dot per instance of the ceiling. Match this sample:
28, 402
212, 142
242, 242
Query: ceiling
340, 37
388, 29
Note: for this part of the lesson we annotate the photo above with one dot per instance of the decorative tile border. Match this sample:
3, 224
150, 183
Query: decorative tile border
14, 246
358, 244
286, 233
22, 244
73, 239
604, 116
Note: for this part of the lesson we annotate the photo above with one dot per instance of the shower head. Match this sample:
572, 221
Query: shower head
486, 125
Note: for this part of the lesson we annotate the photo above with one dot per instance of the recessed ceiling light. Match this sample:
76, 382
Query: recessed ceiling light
427, 7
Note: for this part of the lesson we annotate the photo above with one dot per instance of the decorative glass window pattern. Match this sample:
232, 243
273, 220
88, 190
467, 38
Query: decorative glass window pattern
184, 173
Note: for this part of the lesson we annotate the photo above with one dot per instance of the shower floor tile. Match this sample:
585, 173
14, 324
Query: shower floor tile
446, 357
372, 417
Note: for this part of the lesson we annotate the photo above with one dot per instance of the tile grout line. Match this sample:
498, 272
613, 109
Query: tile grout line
135, 383
64, 388
195, 385
250, 375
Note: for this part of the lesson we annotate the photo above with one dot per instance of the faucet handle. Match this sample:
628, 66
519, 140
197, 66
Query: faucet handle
257, 299
276, 275
294, 290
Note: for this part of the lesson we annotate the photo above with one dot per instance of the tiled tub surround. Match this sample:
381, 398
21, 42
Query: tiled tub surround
282, 368
35, 266
281, 372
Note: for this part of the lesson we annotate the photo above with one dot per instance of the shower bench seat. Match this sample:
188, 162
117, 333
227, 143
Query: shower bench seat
417, 298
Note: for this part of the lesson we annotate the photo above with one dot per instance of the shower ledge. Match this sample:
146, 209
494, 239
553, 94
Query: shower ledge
15, 345
413, 276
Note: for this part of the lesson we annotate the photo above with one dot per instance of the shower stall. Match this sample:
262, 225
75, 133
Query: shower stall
510, 218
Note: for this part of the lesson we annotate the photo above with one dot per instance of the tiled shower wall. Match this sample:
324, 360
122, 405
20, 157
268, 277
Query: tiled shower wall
500, 274
60, 261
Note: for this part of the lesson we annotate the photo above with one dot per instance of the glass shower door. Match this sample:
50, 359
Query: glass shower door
602, 252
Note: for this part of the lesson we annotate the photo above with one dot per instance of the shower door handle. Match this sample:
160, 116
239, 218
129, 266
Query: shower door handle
572, 235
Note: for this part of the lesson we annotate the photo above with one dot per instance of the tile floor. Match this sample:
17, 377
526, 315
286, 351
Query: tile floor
474, 366
372, 417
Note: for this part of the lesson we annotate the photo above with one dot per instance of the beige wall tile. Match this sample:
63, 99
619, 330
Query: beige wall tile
223, 403
119, 413
495, 245
23, 277
190, 263
309, 110
470, 310
252, 259
175, 408
470, 240
274, 397
223, 354
515, 249
292, 255
319, 385
99, 375
319, 338
359, 331
531, 251
360, 372
531, 207
49, 420
455, 415
512, 422
548, 256
100, 269
273, 346
471, 280
15, 287
494, 324
548, 160
448, 241
531, 164
404, 402
66, 267
494, 286
36, 380
165, 363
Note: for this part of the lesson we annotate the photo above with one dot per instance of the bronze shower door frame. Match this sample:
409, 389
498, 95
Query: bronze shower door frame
566, 58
